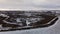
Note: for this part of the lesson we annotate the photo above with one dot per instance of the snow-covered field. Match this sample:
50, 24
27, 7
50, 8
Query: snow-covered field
13, 4
54, 29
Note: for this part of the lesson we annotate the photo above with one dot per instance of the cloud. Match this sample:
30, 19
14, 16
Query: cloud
30, 4
47, 3
2, 1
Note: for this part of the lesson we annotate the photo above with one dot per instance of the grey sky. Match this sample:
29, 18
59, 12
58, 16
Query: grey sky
30, 4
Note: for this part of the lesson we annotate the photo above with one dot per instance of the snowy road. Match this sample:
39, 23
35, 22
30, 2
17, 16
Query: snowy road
54, 29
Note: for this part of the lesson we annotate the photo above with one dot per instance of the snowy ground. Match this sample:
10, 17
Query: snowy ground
54, 29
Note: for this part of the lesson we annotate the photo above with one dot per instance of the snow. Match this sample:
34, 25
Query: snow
54, 29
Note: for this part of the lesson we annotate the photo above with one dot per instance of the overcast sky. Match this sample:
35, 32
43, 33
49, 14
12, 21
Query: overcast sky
30, 4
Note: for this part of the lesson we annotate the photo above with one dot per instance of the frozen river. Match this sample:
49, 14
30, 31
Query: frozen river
54, 29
